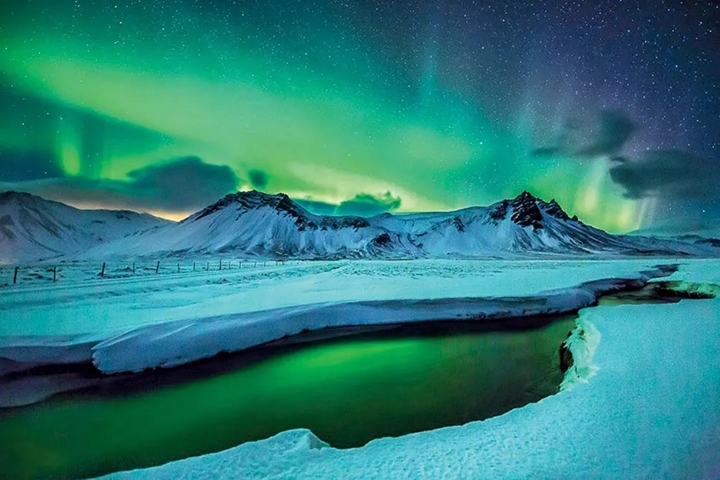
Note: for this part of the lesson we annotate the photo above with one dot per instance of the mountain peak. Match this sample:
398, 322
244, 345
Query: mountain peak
284, 205
254, 198
526, 212
525, 196
250, 200
14, 195
527, 208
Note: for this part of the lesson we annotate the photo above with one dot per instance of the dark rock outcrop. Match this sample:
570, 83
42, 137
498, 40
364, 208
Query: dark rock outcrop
566, 358
556, 210
457, 221
382, 239
526, 212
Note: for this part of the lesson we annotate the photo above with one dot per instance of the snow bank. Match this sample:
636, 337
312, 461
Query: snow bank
176, 343
650, 411
23, 353
222, 324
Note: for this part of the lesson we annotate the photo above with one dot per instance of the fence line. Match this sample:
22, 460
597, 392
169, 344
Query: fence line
120, 269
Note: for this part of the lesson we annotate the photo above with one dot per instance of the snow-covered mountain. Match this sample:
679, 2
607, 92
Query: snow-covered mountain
33, 228
254, 224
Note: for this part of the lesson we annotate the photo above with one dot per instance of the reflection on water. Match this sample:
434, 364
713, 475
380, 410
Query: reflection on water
347, 390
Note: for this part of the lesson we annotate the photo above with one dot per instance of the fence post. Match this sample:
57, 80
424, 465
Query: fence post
102, 272
207, 267
221, 264
133, 268
15, 276
193, 266
178, 268
157, 267
54, 273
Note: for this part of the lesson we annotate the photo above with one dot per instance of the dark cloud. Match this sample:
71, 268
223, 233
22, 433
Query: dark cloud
366, 205
258, 178
671, 174
179, 185
18, 166
613, 130
183, 183
546, 151
363, 205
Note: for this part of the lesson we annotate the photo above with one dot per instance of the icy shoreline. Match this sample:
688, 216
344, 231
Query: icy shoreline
175, 343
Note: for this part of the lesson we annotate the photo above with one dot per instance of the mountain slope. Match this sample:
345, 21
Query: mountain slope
33, 228
254, 224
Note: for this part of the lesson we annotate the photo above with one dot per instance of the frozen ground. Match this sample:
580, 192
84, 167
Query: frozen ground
640, 402
129, 323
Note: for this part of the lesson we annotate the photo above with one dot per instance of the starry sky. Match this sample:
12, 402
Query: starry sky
360, 107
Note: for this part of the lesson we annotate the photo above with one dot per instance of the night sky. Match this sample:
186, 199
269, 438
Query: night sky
611, 108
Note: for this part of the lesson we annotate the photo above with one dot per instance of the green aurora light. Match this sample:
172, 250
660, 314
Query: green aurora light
319, 111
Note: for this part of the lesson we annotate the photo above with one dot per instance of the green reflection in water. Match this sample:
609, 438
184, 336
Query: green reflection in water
347, 391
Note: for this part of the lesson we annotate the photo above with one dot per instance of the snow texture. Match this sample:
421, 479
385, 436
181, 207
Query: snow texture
644, 402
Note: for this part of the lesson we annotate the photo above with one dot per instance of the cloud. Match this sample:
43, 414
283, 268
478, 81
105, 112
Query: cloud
258, 178
546, 151
667, 173
613, 130
180, 185
183, 183
17, 166
366, 205
363, 205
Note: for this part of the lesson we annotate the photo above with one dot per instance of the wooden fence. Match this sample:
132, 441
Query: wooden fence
13, 275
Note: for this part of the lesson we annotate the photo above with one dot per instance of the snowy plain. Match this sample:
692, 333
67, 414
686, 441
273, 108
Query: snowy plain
640, 402
134, 323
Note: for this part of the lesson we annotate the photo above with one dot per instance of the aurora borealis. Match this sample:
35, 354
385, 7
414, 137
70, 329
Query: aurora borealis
612, 108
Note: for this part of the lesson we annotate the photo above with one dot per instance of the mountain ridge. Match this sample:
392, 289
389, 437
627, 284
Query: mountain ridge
32, 227
260, 225
257, 224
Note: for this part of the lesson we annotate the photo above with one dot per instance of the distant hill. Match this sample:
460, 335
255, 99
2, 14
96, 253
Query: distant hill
33, 228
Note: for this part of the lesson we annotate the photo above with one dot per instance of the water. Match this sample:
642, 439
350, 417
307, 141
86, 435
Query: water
347, 390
